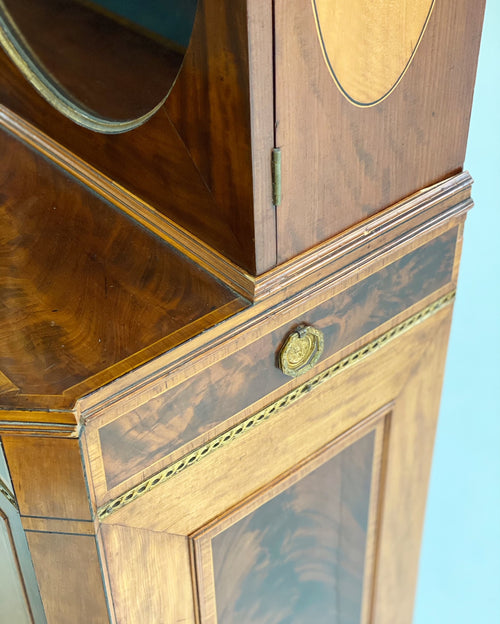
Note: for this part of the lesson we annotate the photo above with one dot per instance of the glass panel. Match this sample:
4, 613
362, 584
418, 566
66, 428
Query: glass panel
4, 471
103, 63
13, 605
300, 557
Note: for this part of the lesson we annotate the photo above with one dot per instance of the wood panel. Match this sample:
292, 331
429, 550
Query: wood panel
69, 264
342, 163
368, 47
48, 478
145, 435
404, 379
408, 469
69, 575
149, 576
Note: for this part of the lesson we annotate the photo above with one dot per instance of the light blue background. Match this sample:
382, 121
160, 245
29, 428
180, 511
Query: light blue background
459, 580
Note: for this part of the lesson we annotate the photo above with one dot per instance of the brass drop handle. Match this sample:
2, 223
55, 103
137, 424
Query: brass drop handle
301, 350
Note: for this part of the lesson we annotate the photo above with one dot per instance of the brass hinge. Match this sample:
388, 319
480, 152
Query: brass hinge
276, 175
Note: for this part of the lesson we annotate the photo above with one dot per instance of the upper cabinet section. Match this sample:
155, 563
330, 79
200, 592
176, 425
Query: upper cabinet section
201, 162
177, 106
373, 101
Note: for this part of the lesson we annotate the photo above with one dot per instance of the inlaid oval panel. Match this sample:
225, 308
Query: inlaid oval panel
369, 44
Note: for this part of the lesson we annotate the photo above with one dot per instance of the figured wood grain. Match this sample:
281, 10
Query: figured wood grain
69, 575
322, 509
147, 434
85, 289
443, 200
368, 45
215, 87
342, 163
149, 576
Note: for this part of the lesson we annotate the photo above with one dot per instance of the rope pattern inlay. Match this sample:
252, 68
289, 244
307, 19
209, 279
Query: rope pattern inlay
271, 410
4, 489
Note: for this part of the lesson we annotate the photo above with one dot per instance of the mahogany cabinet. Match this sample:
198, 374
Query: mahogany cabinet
225, 304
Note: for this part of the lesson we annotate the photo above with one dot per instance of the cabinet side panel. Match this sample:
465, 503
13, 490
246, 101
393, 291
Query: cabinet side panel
149, 575
70, 579
48, 477
408, 466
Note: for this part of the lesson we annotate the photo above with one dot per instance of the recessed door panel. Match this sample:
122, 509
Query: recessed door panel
299, 551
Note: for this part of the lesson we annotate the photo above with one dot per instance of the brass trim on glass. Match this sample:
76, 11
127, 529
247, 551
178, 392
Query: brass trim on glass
301, 351
274, 408
5, 491
17, 48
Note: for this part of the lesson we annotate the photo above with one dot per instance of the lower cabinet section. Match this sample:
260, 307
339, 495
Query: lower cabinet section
308, 507
312, 515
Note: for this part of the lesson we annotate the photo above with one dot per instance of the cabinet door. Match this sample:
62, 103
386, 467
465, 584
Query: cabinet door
19, 597
311, 509
301, 550
372, 104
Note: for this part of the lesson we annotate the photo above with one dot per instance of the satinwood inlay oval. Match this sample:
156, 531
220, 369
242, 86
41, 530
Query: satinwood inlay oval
369, 44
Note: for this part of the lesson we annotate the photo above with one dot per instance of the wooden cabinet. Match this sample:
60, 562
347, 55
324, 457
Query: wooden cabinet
224, 325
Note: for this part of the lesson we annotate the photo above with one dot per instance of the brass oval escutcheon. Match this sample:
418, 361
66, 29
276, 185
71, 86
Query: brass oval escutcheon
301, 350
369, 44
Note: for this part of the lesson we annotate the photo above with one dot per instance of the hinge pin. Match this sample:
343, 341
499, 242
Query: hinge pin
276, 175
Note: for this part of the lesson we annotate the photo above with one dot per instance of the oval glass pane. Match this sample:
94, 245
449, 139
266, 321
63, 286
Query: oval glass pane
106, 64
369, 44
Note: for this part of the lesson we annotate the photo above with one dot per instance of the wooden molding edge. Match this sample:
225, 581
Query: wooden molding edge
378, 233
426, 209
39, 423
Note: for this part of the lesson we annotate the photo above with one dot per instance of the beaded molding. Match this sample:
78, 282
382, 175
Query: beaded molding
271, 410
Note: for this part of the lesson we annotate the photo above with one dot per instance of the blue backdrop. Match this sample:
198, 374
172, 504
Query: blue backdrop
459, 579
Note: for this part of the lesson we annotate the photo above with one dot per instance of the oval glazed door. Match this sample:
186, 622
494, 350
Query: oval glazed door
367, 62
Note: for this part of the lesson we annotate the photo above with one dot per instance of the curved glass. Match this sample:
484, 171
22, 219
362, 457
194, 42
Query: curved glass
107, 64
